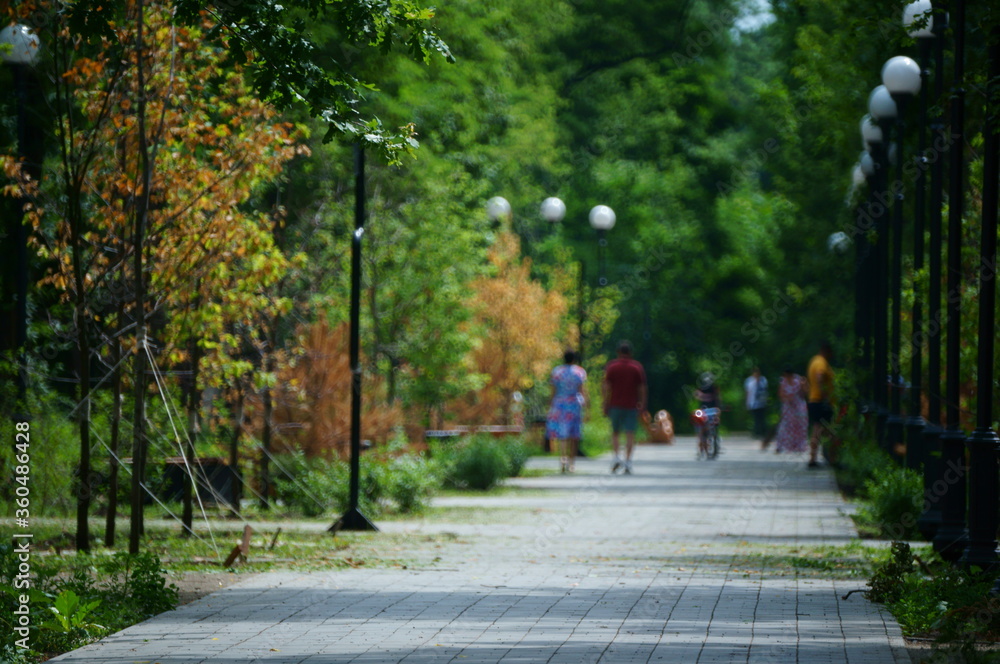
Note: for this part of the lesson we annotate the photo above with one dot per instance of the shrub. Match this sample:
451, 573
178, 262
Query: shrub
477, 463
313, 487
410, 482
893, 502
318, 487
939, 598
857, 461
518, 451
81, 598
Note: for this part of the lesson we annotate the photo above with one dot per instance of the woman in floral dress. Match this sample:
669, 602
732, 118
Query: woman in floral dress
793, 430
565, 420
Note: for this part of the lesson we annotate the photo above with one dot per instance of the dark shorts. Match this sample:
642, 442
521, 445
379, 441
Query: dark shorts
623, 419
820, 412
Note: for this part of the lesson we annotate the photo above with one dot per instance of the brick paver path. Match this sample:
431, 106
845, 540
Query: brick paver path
652, 567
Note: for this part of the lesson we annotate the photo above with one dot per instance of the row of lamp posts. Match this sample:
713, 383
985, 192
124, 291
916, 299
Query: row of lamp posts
939, 447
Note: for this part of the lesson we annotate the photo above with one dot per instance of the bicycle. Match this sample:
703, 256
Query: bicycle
708, 439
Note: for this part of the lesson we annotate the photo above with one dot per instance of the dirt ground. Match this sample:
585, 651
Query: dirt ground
195, 585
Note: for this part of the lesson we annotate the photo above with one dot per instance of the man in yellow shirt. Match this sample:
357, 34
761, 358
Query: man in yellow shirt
820, 397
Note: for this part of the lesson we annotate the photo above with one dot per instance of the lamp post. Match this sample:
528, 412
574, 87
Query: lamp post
930, 36
602, 219
901, 78
22, 52
951, 537
882, 109
497, 208
917, 456
353, 519
984, 443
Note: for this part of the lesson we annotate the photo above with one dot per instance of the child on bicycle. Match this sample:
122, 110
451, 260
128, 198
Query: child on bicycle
708, 396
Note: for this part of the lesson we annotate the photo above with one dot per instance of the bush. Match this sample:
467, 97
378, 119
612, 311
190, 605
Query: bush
410, 482
518, 451
477, 463
81, 598
893, 501
857, 462
313, 487
318, 487
937, 599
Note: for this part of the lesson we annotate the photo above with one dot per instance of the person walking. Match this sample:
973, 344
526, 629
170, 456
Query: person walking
623, 393
565, 419
755, 388
820, 406
793, 427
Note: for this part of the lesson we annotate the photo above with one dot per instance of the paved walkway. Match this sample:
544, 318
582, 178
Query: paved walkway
685, 561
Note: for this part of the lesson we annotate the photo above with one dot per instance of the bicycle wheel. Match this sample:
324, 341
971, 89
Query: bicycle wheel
713, 444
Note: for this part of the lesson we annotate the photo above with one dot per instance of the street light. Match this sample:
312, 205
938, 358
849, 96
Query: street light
984, 443
901, 78
497, 208
353, 519
951, 536
553, 209
923, 438
602, 219
21, 52
881, 110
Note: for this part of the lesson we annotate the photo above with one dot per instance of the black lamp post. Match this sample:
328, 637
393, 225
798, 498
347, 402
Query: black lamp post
353, 519
951, 537
930, 37
901, 77
984, 443
882, 110
916, 451
20, 56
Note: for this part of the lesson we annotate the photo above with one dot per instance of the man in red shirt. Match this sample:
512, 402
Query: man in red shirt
624, 394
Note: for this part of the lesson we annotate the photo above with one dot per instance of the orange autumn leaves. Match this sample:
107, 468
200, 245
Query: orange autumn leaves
522, 323
211, 258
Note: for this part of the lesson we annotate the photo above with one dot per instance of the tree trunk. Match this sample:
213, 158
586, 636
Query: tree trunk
192, 469
83, 484
234, 449
142, 206
116, 417
265, 441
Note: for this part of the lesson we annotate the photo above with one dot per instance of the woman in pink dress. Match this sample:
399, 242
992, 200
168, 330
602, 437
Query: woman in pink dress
793, 430
565, 420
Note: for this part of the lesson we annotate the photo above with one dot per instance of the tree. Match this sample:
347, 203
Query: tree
522, 322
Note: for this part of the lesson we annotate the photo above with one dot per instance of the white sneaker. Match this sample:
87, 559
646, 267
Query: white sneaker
628, 467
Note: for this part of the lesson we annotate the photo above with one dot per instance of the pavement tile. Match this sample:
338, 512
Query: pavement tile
614, 569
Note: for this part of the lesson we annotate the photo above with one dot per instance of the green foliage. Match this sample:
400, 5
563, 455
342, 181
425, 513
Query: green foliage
69, 616
481, 461
936, 598
478, 463
312, 487
54, 457
411, 482
857, 461
885, 584
893, 502
518, 452
320, 487
77, 599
